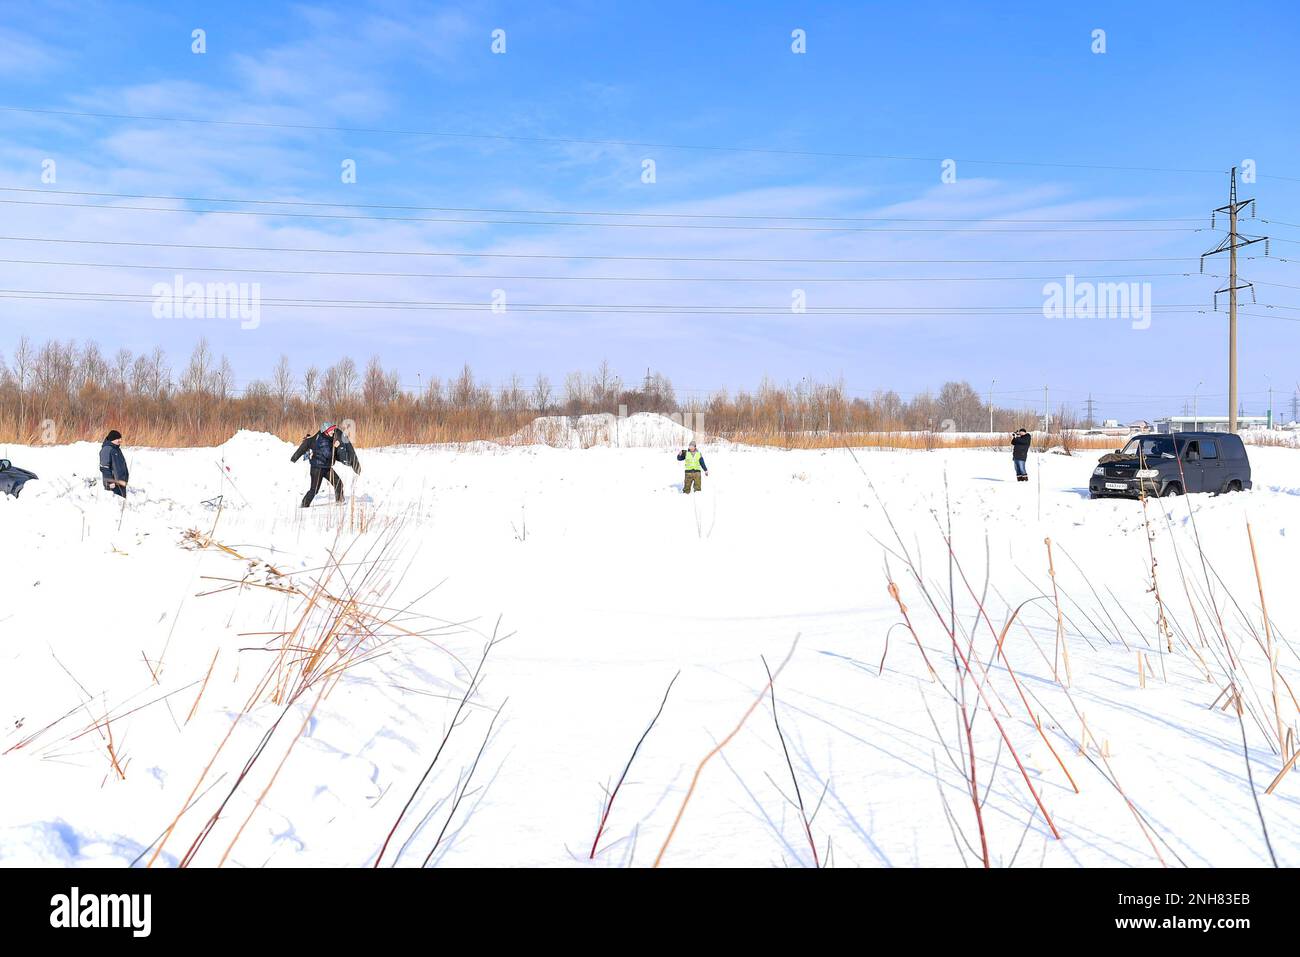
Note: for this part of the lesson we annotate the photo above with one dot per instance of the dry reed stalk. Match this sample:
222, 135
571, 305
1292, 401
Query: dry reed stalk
112, 754
1109, 772
974, 785
305, 683
469, 776
153, 675
1268, 637
956, 646
469, 691
1062, 645
609, 802
1162, 623
1101, 747
162, 841
999, 639
695, 778
798, 792
195, 706
274, 774
276, 682
902, 608
1291, 762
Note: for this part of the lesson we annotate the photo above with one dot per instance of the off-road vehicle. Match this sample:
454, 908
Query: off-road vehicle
1173, 464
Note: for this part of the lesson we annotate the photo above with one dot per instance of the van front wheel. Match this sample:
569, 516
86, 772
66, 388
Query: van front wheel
1172, 489
1234, 486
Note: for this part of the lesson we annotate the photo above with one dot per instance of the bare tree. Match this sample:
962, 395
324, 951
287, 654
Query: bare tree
311, 383
463, 390
605, 386
223, 379
197, 377
92, 370
121, 371
541, 393
339, 384
576, 393
150, 376
380, 387
433, 397
282, 384
959, 402
513, 399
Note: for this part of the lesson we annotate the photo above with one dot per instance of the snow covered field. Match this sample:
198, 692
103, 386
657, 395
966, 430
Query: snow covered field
132, 672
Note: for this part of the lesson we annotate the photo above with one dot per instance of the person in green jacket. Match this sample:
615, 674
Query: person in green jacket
694, 466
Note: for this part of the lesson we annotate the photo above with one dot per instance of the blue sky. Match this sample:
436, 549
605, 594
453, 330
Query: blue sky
1181, 86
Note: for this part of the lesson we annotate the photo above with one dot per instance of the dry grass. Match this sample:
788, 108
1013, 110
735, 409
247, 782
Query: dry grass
61, 392
369, 430
1232, 643
342, 622
921, 441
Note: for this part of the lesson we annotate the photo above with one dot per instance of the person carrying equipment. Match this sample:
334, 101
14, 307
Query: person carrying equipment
323, 449
694, 466
112, 464
1020, 442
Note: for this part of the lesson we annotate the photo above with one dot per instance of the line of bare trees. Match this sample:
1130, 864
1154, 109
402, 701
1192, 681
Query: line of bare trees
62, 391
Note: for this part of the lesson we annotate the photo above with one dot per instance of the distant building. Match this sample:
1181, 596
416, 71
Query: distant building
1209, 423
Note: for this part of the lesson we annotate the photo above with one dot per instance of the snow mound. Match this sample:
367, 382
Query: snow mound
246, 444
642, 430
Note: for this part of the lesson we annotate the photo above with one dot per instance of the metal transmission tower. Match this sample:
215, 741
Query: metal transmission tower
1090, 411
1295, 406
1230, 244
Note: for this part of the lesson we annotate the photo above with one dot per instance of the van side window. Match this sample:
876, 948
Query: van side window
1193, 451
1209, 450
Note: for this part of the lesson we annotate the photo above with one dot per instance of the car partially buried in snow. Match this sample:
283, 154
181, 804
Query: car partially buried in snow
1159, 465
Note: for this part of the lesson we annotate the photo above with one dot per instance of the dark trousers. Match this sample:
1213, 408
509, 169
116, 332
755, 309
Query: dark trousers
318, 476
1022, 468
115, 489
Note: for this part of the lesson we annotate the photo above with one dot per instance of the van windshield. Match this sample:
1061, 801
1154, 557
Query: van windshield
1150, 448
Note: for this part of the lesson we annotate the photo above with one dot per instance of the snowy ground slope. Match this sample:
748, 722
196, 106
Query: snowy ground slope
610, 582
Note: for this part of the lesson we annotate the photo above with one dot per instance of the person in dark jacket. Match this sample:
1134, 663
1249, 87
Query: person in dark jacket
112, 464
694, 466
1020, 442
323, 449
12, 478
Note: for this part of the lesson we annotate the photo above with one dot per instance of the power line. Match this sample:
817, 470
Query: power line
585, 141
599, 225
608, 308
585, 212
477, 254
673, 279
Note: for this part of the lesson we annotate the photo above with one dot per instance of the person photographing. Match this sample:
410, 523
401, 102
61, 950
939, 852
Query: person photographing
1020, 442
694, 467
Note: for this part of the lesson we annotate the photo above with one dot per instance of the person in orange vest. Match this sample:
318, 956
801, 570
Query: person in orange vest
694, 466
